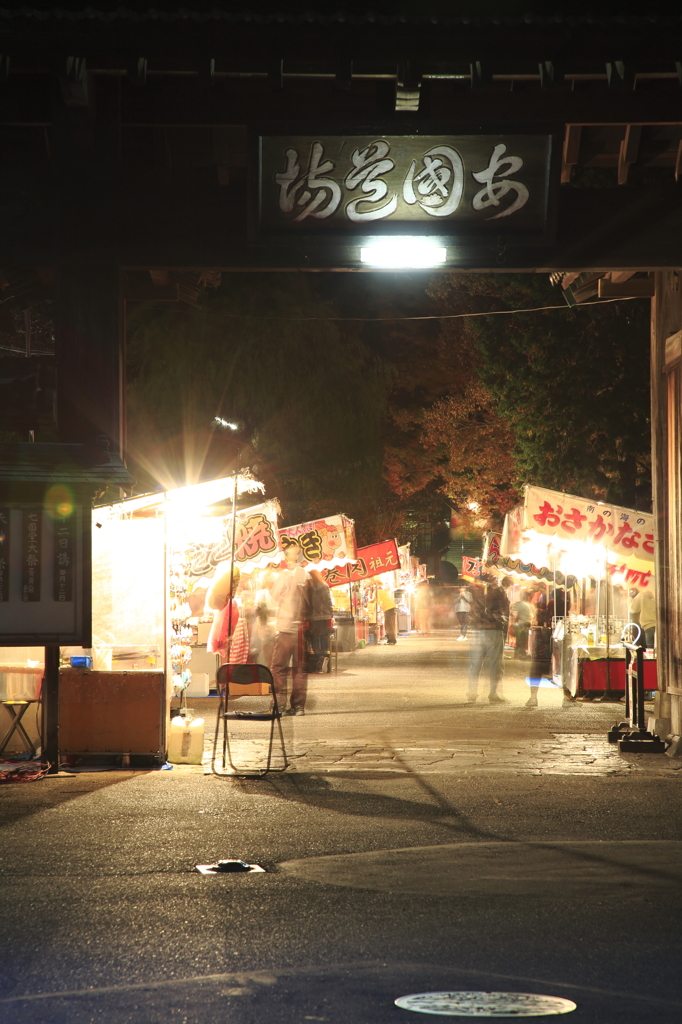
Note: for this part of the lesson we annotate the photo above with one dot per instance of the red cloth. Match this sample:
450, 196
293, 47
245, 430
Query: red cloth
218, 635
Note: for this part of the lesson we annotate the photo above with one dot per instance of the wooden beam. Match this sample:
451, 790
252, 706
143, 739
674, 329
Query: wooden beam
620, 276
642, 287
207, 72
620, 75
73, 81
551, 74
139, 291
480, 74
629, 151
221, 150
588, 289
344, 74
678, 161
276, 73
571, 151
137, 70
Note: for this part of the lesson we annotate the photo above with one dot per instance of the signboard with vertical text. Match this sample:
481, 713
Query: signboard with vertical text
44, 575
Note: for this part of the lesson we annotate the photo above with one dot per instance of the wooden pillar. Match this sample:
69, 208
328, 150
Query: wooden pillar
50, 703
88, 321
666, 438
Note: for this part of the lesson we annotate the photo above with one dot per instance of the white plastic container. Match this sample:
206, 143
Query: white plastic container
20, 682
186, 740
198, 685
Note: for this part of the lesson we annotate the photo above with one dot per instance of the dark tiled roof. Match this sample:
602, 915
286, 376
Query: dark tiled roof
331, 12
60, 463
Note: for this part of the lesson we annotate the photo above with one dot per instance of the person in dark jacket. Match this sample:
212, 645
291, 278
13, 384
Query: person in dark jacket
321, 618
488, 624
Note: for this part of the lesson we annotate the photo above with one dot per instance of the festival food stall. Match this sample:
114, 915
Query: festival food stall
357, 614
153, 557
158, 562
587, 556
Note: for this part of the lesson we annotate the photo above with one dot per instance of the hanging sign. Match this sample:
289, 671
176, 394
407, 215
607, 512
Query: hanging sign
620, 531
492, 183
324, 543
372, 560
256, 542
472, 568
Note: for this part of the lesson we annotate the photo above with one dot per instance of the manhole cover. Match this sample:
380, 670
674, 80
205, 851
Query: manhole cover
486, 1004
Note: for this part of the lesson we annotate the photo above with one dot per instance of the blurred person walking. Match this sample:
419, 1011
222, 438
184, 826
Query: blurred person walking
386, 602
321, 618
463, 604
523, 619
489, 623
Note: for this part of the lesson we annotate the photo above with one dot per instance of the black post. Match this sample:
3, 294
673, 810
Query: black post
50, 752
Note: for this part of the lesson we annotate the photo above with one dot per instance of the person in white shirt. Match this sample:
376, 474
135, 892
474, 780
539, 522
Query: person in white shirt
463, 610
291, 594
643, 611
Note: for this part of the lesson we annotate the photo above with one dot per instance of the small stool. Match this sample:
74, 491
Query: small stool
15, 725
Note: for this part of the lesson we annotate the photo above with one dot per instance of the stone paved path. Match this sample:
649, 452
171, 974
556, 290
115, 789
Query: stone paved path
562, 755
403, 709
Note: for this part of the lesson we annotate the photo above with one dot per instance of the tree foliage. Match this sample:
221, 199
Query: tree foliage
388, 418
312, 402
571, 384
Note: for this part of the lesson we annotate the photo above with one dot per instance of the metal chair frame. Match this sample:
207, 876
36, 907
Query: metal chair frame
250, 673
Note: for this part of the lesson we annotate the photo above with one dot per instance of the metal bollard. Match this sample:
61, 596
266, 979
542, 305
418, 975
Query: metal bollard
632, 734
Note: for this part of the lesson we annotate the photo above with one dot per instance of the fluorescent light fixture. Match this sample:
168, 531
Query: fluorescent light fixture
404, 252
226, 423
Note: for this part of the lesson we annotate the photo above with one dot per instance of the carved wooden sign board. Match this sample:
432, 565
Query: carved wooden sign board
365, 182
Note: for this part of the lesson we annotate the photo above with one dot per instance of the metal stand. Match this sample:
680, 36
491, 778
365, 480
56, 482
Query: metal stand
16, 724
631, 734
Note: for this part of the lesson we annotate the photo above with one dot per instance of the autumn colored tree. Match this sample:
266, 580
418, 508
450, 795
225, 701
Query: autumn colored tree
572, 385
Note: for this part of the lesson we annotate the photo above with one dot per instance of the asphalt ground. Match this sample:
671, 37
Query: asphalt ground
379, 881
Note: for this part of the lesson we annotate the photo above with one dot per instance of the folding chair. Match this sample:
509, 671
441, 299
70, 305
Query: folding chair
247, 681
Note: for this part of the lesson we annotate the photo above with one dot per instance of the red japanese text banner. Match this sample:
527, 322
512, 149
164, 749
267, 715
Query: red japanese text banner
567, 524
372, 560
472, 568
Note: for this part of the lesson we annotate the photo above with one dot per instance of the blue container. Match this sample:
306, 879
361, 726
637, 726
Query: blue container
82, 661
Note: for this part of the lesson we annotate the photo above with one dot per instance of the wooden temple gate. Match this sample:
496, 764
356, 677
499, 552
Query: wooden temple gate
129, 168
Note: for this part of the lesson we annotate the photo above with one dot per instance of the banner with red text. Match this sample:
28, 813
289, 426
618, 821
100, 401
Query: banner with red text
372, 560
580, 535
325, 543
622, 531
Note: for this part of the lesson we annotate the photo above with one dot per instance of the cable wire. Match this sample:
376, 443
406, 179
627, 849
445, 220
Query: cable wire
435, 316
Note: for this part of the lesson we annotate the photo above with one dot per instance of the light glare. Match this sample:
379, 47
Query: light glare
403, 253
226, 423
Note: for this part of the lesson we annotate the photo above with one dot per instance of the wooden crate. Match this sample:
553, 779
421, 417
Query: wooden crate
113, 712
